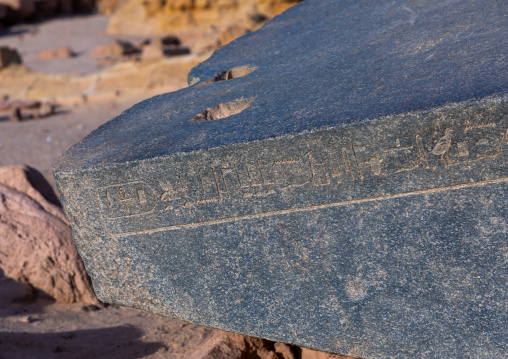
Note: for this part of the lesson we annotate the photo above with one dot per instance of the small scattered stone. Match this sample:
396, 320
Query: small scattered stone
15, 115
122, 48
90, 308
142, 43
155, 51
9, 56
7, 104
29, 319
58, 53
57, 349
47, 109
168, 40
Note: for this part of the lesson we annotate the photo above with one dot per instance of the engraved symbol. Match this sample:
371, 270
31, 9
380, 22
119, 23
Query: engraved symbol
173, 191
320, 176
479, 125
127, 199
462, 149
375, 165
123, 198
356, 149
443, 145
484, 144
398, 147
403, 151
208, 186
347, 163
290, 172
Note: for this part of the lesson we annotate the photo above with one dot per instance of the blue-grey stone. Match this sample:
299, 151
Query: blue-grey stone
337, 179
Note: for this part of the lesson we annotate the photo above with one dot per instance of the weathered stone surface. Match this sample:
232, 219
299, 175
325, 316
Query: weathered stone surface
36, 246
337, 179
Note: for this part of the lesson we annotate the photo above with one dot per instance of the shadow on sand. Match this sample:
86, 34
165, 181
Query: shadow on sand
105, 343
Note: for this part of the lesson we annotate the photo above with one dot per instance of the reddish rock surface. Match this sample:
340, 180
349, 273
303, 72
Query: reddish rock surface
224, 345
58, 53
36, 245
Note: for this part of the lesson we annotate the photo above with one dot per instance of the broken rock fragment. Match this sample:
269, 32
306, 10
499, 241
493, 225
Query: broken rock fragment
36, 246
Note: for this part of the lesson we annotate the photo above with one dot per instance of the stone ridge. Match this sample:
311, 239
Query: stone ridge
391, 157
358, 61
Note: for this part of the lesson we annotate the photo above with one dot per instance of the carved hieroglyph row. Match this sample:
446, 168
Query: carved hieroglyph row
333, 166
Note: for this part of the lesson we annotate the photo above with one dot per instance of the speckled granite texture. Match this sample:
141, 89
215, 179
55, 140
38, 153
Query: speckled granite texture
337, 179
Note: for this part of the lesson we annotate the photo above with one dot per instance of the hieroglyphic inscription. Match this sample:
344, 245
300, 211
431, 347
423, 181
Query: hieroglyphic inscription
320, 168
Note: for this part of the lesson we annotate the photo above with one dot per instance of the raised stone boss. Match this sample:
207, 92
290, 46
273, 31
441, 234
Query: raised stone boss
337, 179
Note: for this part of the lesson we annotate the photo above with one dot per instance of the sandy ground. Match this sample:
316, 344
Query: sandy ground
38, 143
44, 330
81, 33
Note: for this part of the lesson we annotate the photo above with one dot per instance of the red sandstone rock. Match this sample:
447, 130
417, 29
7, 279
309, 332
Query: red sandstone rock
224, 345
36, 246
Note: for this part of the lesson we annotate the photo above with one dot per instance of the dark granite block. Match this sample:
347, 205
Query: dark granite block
337, 179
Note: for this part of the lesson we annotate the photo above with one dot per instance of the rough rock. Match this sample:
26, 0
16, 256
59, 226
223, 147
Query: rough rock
9, 56
6, 105
284, 351
59, 53
116, 48
36, 246
160, 17
224, 345
122, 48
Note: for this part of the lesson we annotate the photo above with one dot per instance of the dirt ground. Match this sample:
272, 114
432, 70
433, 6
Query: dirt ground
38, 143
81, 33
48, 330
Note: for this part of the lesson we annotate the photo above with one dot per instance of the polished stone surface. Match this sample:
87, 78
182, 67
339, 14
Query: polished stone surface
337, 179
